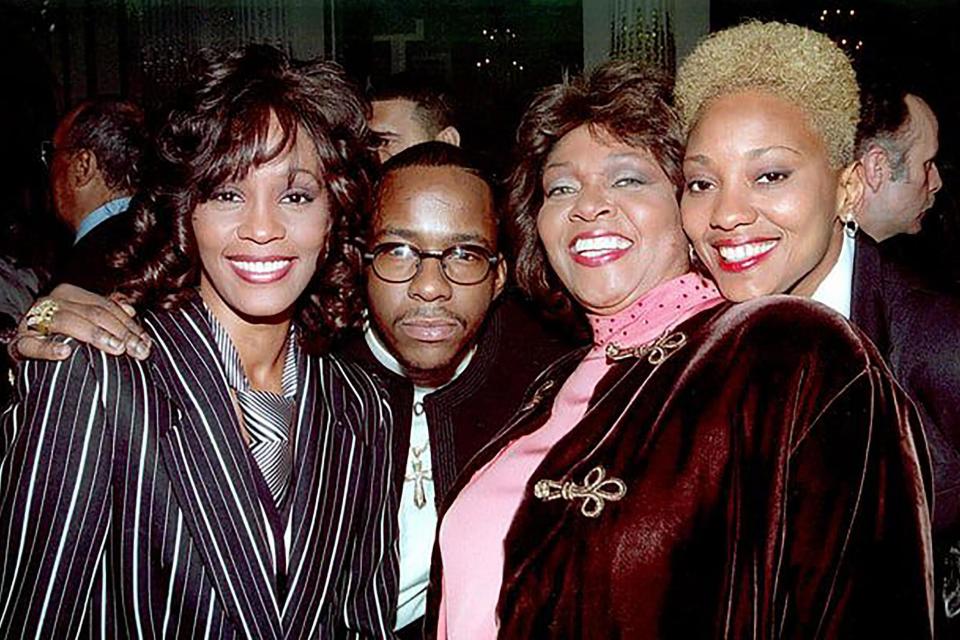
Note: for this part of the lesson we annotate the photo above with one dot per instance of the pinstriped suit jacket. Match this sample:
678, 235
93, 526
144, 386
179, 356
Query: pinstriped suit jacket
128, 506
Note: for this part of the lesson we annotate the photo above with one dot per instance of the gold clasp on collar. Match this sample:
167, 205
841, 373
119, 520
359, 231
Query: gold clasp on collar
596, 489
655, 352
538, 396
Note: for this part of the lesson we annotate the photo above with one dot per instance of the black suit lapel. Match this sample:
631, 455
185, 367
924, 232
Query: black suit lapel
328, 456
210, 472
868, 308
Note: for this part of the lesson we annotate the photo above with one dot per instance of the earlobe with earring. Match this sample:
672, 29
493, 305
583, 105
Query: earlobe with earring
850, 226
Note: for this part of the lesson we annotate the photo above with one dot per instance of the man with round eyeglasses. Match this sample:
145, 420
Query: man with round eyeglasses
454, 356
400, 262
428, 224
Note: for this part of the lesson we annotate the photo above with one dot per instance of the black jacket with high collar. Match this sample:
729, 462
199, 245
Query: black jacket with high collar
513, 348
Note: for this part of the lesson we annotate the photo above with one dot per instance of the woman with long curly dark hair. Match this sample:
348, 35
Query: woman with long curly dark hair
212, 489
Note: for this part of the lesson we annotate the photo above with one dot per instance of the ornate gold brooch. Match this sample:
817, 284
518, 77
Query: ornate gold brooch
538, 396
596, 489
655, 352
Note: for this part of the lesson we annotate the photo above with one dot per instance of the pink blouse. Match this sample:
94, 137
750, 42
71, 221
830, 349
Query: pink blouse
476, 524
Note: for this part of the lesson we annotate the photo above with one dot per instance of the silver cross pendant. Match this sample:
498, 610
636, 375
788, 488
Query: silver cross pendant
419, 477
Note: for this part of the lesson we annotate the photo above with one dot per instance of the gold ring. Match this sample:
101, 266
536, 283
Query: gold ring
41, 314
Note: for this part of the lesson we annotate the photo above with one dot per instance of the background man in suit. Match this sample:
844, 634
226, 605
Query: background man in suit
897, 148
95, 162
407, 112
915, 324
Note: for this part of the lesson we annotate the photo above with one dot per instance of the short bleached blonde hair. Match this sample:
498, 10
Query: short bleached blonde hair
791, 62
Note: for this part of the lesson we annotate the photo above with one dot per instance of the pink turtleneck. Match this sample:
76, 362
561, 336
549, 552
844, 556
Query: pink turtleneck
476, 524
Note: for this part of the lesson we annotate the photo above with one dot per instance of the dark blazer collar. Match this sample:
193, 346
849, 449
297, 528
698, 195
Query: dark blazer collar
868, 308
487, 342
458, 391
212, 477
532, 413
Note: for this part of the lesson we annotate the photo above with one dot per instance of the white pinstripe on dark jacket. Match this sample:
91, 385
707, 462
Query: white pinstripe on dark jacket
128, 506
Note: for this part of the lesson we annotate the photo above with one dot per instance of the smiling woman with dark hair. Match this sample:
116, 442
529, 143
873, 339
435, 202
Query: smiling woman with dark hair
698, 471
233, 484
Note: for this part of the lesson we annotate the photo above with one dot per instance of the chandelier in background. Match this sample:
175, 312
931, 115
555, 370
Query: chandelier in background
642, 30
172, 32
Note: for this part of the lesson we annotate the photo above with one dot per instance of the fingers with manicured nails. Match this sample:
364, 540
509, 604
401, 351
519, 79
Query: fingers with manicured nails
138, 346
127, 308
106, 327
89, 324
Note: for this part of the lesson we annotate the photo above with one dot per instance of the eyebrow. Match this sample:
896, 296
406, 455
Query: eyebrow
756, 153
753, 153
292, 175
631, 155
455, 238
554, 165
613, 158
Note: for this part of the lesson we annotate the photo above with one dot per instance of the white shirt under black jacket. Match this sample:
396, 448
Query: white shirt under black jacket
418, 524
836, 290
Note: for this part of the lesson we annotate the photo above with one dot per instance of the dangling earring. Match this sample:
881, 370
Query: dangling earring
850, 226
696, 265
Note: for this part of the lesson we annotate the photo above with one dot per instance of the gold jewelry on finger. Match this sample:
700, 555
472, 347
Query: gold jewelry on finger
41, 314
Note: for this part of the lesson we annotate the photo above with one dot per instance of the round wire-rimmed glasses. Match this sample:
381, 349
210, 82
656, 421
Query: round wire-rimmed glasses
399, 262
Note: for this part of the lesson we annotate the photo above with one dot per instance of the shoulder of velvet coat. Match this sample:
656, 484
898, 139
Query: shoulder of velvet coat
791, 330
769, 337
778, 332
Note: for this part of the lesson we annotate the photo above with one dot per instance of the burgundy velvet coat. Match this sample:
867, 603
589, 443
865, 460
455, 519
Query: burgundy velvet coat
776, 485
